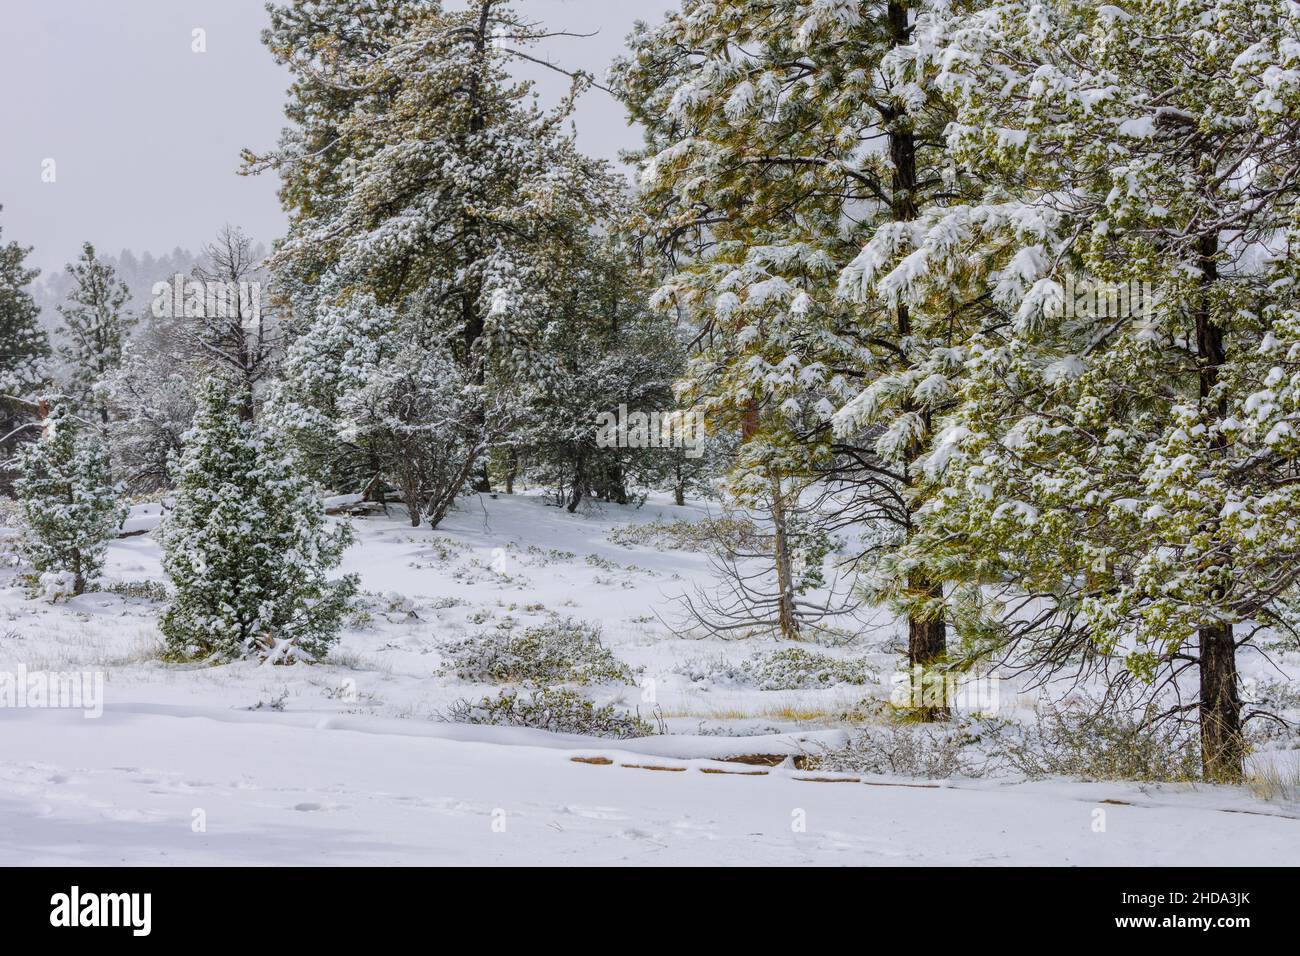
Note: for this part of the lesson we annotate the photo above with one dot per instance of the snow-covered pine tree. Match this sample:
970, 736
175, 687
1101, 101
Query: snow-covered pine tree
247, 546
24, 347
419, 175
605, 349
782, 135
93, 332
69, 505
1121, 464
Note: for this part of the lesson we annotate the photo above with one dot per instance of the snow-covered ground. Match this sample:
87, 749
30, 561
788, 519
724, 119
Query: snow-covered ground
348, 761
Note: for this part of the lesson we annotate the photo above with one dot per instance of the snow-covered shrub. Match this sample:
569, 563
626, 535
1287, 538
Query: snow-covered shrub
143, 590
791, 668
247, 547
554, 709
705, 534
1119, 743
53, 585
710, 670
795, 668
69, 504
563, 651
908, 749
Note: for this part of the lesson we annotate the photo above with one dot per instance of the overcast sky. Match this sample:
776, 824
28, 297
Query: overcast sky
145, 134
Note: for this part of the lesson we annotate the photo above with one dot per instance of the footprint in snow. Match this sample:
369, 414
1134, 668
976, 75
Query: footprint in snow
594, 813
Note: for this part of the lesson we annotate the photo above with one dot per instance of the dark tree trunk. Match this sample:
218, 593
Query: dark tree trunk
1223, 748
579, 485
927, 634
618, 485
440, 503
78, 576
927, 643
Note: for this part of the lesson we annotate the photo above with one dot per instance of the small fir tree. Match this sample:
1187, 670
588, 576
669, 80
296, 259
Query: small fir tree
70, 505
247, 547
94, 330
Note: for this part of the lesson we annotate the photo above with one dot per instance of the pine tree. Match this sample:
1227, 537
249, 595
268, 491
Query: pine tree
782, 136
1120, 466
247, 547
94, 329
605, 350
24, 347
419, 176
69, 505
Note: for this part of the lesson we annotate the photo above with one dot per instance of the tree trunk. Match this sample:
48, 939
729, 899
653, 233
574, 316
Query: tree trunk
786, 619
512, 469
579, 485
927, 643
618, 485
926, 634
1223, 748
78, 577
442, 501
411, 496
575, 496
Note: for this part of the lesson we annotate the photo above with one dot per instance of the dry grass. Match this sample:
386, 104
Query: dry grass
1274, 783
790, 712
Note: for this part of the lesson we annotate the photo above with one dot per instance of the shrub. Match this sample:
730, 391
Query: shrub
707, 534
558, 652
1118, 743
931, 751
143, 590
792, 668
557, 710
795, 668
